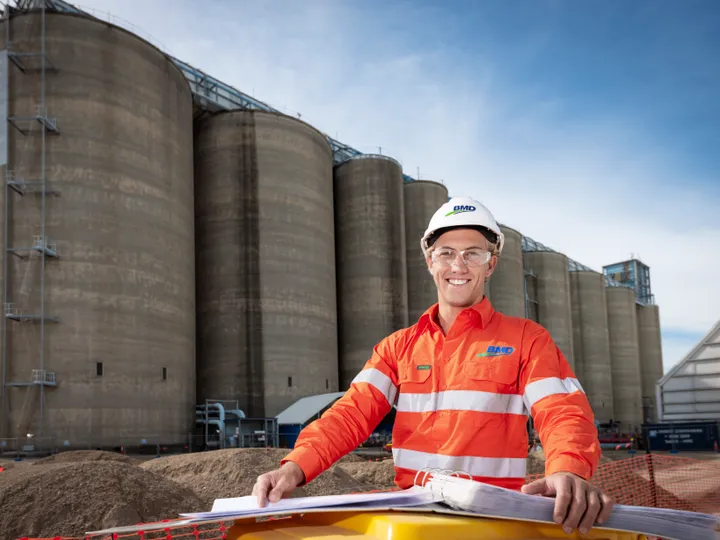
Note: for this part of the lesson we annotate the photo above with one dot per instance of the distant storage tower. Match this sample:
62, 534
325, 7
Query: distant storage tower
507, 284
551, 286
371, 257
625, 356
651, 364
591, 341
422, 199
267, 323
633, 274
100, 321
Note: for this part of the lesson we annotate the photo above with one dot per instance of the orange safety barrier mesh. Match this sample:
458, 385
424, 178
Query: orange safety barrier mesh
210, 531
653, 480
661, 481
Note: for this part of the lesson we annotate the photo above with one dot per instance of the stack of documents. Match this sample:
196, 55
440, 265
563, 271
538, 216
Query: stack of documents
492, 501
239, 507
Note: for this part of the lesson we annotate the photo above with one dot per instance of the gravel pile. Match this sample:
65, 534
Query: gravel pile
232, 473
68, 499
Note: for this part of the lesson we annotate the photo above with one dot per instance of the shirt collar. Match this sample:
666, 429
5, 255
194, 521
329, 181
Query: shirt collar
481, 313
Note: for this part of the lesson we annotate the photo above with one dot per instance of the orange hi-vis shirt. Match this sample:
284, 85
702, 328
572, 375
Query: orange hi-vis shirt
462, 402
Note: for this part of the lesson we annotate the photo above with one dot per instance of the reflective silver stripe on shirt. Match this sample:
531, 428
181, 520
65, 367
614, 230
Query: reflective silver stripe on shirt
380, 381
537, 390
461, 400
475, 466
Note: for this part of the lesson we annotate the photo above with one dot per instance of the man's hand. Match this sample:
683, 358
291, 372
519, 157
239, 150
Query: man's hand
578, 504
272, 486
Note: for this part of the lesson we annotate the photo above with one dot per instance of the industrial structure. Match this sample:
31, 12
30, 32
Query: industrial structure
507, 286
98, 270
591, 341
265, 260
172, 244
690, 391
634, 274
422, 199
371, 258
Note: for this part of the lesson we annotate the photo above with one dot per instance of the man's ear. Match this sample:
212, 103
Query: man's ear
491, 267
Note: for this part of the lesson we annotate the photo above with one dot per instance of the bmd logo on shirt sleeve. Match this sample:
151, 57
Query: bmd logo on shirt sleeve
460, 209
496, 350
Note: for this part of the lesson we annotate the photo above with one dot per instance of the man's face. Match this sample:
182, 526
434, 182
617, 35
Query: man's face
460, 284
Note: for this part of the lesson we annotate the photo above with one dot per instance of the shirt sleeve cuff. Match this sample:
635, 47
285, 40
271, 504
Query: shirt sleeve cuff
569, 464
307, 460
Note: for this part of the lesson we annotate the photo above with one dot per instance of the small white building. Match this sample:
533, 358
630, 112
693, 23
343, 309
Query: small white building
690, 391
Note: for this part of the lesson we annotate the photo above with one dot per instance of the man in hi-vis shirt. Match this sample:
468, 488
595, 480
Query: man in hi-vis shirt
463, 379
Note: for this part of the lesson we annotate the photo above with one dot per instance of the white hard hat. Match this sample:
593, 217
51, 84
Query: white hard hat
462, 212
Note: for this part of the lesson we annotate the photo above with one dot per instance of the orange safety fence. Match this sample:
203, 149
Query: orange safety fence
652, 480
209, 531
661, 481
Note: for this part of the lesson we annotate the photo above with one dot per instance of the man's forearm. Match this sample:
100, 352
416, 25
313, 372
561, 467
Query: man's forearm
341, 429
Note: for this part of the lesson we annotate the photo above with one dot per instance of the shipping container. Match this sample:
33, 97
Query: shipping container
681, 436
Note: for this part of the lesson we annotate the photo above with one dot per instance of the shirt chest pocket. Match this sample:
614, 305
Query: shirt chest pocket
414, 375
502, 374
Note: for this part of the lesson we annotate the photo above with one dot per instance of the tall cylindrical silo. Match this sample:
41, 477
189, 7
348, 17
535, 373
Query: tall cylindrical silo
552, 289
422, 199
591, 341
625, 356
118, 301
267, 321
371, 257
651, 366
507, 283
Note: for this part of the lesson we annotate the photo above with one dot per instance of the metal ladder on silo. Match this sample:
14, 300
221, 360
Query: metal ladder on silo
26, 61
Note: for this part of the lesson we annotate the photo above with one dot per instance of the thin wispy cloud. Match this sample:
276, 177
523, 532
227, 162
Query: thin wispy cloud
552, 138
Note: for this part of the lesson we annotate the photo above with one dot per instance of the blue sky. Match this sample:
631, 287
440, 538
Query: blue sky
593, 127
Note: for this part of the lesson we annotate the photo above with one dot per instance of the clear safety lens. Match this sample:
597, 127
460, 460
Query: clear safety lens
471, 257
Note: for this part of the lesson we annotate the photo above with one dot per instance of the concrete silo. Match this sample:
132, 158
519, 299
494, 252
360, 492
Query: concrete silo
625, 356
106, 354
422, 199
267, 322
591, 341
371, 257
651, 365
551, 286
507, 284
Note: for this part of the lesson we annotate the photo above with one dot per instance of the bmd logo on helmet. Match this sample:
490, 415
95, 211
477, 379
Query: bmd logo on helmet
461, 209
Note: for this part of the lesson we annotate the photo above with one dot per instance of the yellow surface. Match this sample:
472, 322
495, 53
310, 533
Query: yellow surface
407, 526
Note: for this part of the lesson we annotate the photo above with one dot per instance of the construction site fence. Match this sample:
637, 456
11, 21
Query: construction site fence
661, 481
658, 481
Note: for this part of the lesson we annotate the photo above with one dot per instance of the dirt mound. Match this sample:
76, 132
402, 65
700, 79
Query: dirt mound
352, 458
76, 456
536, 462
232, 473
336, 481
380, 474
68, 499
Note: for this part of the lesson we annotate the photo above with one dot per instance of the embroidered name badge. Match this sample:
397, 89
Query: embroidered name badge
423, 367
